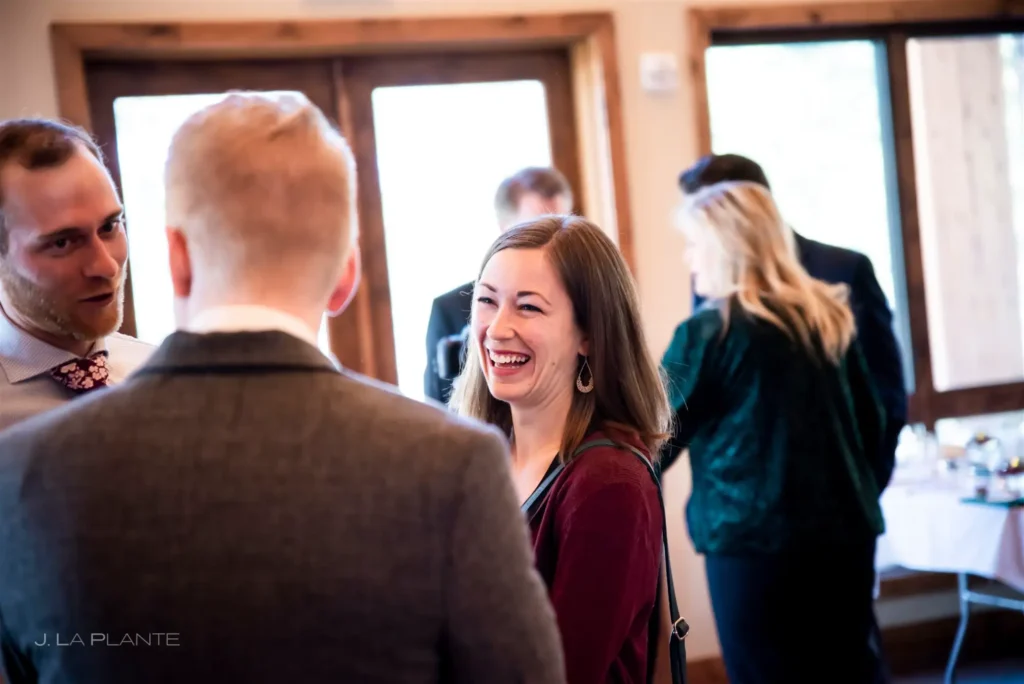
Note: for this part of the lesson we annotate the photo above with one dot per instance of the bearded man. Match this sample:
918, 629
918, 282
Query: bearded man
62, 270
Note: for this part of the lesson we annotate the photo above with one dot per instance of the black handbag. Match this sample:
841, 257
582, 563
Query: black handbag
666, 651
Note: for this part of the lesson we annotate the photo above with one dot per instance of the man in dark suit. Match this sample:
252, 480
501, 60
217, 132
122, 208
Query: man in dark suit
870, 309
239, 510
530, 193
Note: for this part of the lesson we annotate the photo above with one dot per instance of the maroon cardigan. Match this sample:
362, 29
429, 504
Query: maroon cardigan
597, 541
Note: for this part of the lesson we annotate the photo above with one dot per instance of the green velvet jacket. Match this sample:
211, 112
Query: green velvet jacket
786, 447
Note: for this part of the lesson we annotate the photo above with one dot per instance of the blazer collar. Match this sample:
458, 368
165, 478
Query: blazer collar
235, 352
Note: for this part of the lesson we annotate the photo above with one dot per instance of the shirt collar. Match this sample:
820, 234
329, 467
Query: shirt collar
24, 356
251, 318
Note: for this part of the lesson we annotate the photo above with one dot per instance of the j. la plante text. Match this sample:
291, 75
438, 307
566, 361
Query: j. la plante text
102, 639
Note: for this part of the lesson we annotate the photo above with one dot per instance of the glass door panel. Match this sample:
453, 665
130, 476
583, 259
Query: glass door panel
442, 151
435, 135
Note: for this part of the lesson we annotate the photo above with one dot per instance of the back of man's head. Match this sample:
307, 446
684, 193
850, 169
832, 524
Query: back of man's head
532, 192
719, 168
263, 189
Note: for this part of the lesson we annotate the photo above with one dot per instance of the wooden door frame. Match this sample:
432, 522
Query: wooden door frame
589, 37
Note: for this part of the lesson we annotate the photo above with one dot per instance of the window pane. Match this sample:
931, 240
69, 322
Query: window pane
144, 128
809, 113
968, 124
442, 151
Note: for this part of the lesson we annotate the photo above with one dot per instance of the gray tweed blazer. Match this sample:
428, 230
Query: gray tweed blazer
240, 511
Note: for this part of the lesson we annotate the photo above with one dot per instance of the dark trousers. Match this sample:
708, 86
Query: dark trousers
881, 674
797, 617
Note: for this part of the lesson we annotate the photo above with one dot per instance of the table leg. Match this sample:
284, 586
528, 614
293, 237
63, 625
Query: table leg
961, 632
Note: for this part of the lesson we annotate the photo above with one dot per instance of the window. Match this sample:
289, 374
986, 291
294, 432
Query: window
438, 174
904, 142
967, 112
145, 126
434, 137
809, 114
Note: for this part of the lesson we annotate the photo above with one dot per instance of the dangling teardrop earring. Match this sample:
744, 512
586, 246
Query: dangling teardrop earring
589, 387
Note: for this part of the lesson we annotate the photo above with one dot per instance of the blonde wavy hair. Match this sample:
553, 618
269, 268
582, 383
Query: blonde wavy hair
752, 260
629, 391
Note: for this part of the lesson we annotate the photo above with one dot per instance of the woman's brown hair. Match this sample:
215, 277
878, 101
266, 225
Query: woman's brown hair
629, 393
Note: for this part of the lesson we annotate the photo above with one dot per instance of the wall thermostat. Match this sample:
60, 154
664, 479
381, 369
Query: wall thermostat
659, 72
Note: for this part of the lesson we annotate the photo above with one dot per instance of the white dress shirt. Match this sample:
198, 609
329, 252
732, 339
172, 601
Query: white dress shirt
251, 318
26, 387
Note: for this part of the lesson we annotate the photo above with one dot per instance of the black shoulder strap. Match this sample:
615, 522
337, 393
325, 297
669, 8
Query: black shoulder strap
530, 504
542, 489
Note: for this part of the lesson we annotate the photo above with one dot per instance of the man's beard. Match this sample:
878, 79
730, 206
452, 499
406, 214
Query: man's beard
51, 315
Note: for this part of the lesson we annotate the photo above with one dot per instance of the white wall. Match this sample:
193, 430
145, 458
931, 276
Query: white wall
660, 141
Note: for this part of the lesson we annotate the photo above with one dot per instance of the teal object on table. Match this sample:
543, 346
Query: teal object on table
1009, 503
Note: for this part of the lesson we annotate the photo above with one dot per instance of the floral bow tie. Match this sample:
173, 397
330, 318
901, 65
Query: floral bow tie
83, 375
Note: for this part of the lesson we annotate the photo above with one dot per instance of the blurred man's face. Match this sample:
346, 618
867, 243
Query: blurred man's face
532, 205
62, 277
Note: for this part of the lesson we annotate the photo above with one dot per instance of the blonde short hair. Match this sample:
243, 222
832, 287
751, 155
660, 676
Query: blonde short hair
263, 186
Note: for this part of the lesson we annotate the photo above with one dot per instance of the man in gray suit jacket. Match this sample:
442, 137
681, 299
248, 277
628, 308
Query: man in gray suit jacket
241, 511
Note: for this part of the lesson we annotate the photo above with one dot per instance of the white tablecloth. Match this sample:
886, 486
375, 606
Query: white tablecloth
929, 528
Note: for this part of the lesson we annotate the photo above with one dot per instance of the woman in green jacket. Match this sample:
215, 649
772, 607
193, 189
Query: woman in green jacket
784, 430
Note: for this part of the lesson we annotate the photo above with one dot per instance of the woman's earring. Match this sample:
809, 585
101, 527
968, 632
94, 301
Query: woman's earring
589, 387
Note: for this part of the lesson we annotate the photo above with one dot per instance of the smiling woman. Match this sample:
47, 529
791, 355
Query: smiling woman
528, 339
557, 359
557, 292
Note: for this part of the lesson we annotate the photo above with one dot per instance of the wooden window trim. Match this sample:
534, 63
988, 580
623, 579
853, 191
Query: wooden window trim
893, 23
590, 38
826, 15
